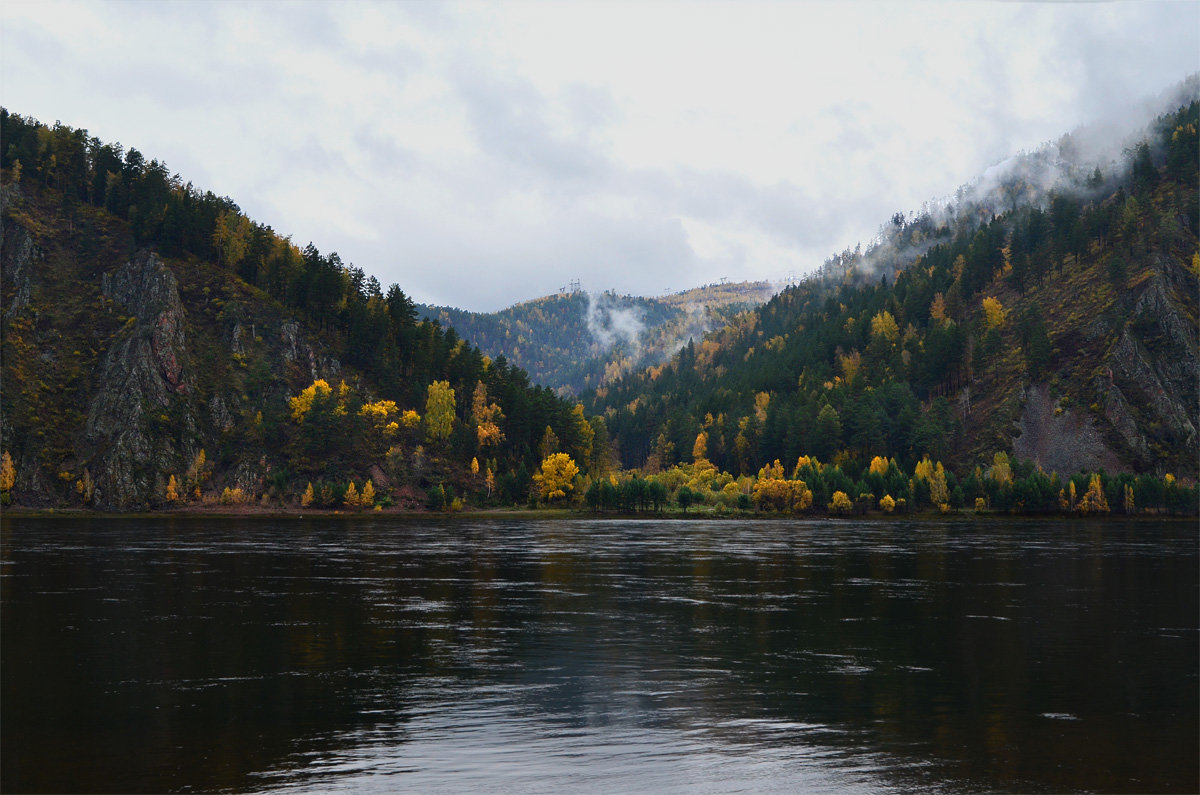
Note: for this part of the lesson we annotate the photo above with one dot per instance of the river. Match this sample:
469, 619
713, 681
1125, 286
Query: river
374, 655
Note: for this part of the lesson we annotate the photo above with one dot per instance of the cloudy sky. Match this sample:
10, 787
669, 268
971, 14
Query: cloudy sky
481, 153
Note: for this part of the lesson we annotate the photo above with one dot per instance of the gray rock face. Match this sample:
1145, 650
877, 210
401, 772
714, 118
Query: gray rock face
143, 382
1064, 442
16, 268
1154, 367
297, 349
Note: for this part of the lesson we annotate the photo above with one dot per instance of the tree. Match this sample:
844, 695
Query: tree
937, 310
303, 403
841, 503
549, 443
439, 410
197, 473
231, 238
8, 472
827, 435
685, 497
884, 326
172, 490
555, 476
700, 448
367, 498
1094, 499
306, 499
436, 499
994, 313
351, 498
486, 416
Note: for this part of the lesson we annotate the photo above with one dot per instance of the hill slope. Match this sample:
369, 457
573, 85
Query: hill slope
1051, 319
574, 341
158, 346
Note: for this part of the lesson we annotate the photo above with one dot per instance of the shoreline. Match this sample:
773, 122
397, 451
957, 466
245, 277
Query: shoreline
468, 514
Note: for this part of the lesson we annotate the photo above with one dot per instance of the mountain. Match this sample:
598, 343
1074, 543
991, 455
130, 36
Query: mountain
575, 340
1048, 314
160, 347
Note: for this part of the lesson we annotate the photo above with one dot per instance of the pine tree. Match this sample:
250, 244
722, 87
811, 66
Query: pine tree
172, 490
307, 498
367, 500
351, 498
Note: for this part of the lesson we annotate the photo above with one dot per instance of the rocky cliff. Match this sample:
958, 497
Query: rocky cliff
121, 366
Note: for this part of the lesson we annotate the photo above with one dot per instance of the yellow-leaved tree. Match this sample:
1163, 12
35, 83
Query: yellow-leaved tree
439, 411
172, 490
700, 448
556, 476
884, 326
302, 403
994, 313
937, 310
8, 472
487, 417
841, 503
367, 498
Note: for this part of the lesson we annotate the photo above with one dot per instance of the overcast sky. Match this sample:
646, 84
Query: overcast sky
479, 154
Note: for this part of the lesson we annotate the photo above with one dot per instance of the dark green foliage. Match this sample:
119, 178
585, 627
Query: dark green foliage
835, 388
435, 498
376, 333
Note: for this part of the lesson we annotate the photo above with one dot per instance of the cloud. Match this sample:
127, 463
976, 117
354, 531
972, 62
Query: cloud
480, 155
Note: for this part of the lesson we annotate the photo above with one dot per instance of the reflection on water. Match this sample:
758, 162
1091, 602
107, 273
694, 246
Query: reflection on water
371, 655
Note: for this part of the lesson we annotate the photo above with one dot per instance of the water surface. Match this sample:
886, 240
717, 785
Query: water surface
371, 655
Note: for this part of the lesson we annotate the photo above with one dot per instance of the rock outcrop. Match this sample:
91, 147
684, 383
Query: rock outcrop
141, 420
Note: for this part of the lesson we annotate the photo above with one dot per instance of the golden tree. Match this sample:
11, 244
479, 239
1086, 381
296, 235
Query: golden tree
937, 310
231, 238
556, 476
306, 499
351, 497
994, 313
884, 326
486, 416
8, 472
1094, 500
172, 490
841, 502
700, 448
439, 410
302, 403
367, 498
850, 363
1001, 470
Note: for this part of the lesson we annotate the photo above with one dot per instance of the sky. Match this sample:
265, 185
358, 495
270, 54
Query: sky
478, 154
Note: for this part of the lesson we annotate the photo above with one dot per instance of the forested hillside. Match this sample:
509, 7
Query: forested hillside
1048, 315
1031, 346
574, 341
160, 347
